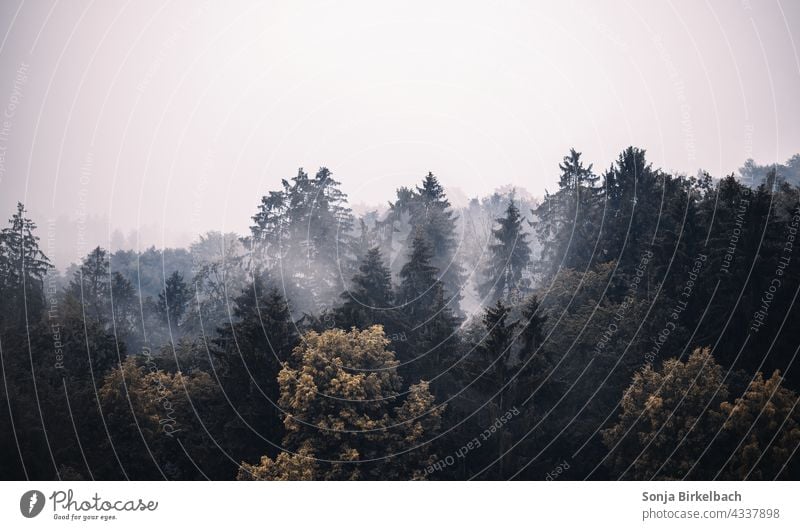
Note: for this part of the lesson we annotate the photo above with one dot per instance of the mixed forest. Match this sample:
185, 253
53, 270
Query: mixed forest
631, 324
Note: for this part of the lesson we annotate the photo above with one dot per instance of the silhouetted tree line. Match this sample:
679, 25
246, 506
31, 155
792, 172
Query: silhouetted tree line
633, 324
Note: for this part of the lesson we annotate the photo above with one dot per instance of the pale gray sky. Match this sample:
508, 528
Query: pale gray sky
174, 118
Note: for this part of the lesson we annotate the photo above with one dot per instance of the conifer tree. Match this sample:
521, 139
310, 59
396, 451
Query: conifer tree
568, 221
303, 235
251, 350
418, 279
23, 265
174, 299
369, 300
533, 321
91, 286
496, 347
490, 370
426, 211
431, 324
510, 257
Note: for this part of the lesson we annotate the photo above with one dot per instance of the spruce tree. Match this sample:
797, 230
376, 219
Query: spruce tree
490, 368
428, 212
568, 220
509, 259
533, 321
418, 279
369, 300
22, 266
429, 321
251, 351
632, 198
91, 286
174, 299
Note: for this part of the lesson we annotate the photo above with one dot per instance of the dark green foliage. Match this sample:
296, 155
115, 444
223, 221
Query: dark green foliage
427, 213
146, 366
428, 324
370, 298
174, 299
508, 268
250, 352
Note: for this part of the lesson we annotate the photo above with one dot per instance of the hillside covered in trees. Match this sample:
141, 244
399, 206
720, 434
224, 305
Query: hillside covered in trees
633, 324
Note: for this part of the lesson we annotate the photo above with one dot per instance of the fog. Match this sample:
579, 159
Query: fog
140, 124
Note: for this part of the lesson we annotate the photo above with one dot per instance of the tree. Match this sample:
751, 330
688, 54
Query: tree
20, 255
163, 425
533, 321
346, 417
303, 234
174, 299
566, 221
632, 197
429, 214
668, 418
426, 314
763, 427
106, 298
221, 269
91, 286
492, 371
510, 258
23, 267
250, 351
418, 279
370, 299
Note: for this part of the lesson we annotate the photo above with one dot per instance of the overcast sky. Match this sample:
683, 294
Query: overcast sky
168, 119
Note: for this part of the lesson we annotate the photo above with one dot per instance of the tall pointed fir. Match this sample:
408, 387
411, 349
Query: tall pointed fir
369, 299
429, 324
567, 221
22, 266
250, 351
510, 255
491, 368
174, 299
632, 193
428, 212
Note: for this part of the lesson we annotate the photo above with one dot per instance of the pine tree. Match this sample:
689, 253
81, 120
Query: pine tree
496, 347
632, 198
431, 324
91, 286
490, 368
124, 307
251, 351
418, 279
533, 321
19, 250
370, 299
510, 258
427, 212
174, 299
22, 266
568, 221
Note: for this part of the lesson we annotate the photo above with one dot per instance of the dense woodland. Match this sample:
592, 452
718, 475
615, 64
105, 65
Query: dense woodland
631, 324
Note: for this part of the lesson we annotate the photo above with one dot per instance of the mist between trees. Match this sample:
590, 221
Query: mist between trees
639, 325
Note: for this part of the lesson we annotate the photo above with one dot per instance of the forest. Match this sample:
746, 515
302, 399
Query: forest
631, 324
